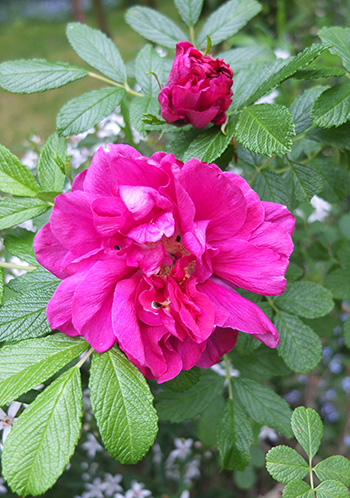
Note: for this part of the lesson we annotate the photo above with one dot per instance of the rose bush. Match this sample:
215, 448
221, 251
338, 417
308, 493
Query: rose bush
199, 88
151, 251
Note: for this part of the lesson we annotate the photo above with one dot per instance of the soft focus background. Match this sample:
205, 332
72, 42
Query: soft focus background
184, 462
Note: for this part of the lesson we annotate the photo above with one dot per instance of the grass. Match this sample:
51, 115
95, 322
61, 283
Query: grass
23, 115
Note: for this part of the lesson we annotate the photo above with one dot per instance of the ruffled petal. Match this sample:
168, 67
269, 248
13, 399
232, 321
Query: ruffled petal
243, 314
221, 341
50, 252
256, 269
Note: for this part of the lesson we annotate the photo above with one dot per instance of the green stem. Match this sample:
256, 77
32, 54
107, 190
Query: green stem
228, 376
311, 477
347, 75
84, 358
271, 303
192, 35
17, 267
114, 83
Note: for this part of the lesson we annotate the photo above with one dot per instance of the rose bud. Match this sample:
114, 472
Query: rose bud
199, 88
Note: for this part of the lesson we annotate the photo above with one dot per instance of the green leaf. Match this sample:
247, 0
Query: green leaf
332, 108
148, 60
210, 144
332, 489
227, 20
2, 285
43, 438
177, 407
317, 71
261, 365
15, 210
140, 106
285, 464
299, 346
83, 112
208, 421
95, 48
15, 178
234, 436
336, 180
25, 316
335, 137
338, 282
154, 26
347, 332
306, 299
339, 39
301, 108
26, 364
33, 281
298, 489
243, 57
256, 82
123, 406
307, 182
185, 380
336, 468
19, 242
265, 129
271, 187
308, 429
37, 75
189, 10
52, 155
263, 404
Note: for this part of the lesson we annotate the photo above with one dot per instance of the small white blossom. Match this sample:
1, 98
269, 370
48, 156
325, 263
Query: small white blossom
280, 53
220, 369
157, 454
181, 452
92, 446
137, 491
322, 209
185, 494
268, 433
8, 419
30, 159
192, 470
111, 484
269, 98
94, 489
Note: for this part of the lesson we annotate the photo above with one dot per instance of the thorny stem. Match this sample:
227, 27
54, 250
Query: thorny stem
17, 267
114, 83
228, 376
84, 358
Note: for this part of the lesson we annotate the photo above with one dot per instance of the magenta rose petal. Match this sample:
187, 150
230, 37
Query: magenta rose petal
151, 251
243, 314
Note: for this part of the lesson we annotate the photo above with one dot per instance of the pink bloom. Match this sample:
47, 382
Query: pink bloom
199, 88
150, 252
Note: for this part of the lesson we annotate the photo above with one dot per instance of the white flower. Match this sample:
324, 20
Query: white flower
7, 420
220, 369
30, 159
322, 209
111, 485
269, 98
94, 489
137, 491
185, 494
92, 446
157, 454
192, 470
268, 433
280, 53
182, 451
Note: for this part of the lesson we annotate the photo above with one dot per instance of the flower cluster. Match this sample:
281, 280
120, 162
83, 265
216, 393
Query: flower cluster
151, 252
199, 88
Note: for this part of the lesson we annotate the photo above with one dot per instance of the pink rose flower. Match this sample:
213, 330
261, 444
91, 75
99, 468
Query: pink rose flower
199, 88
150, 252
